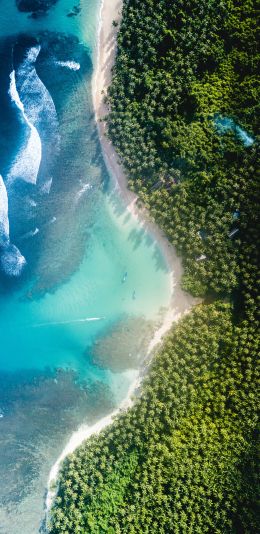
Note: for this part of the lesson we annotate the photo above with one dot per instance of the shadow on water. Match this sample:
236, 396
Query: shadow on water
138, 237
62, 225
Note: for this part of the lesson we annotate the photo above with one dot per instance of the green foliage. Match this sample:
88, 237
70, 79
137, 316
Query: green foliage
184, 459
178, 65
179, 460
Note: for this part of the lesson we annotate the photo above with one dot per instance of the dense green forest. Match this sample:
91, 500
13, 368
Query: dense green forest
184, 119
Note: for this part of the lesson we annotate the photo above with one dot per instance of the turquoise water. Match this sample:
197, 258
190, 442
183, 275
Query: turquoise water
61, 325
74, 264
226, 124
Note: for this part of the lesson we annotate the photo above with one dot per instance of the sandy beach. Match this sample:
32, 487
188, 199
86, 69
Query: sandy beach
79, 436
181, 302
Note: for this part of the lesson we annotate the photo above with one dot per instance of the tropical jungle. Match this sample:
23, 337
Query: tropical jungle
183, 116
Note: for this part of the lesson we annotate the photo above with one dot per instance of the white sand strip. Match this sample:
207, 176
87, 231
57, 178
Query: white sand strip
181, 301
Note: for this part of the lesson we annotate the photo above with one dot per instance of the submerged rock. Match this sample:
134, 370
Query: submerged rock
28, 6
124, 346
74, 12
37, 14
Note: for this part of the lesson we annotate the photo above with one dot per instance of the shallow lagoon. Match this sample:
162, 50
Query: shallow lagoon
89, 265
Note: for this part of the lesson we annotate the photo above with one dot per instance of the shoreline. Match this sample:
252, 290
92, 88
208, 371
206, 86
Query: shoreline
181, 302
83, 433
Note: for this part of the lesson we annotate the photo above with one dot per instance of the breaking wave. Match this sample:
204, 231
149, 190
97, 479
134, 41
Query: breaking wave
37, 101
34, 101
27, 162
72, 65
12, 262
4, 221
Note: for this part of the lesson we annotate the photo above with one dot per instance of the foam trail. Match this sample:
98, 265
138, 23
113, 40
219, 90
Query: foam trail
47, 186
84, 320
81, 192
4, 221
34, 101
27, 163
11, 261
72, 65
51, 221
31, 233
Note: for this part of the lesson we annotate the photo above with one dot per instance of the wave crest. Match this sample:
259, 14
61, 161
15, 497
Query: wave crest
35, 103
72, 65
12, 261
27, 163
4, 220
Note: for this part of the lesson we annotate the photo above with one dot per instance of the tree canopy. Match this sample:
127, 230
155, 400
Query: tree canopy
184, 120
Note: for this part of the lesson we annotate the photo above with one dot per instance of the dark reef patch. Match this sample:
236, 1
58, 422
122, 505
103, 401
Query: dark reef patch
124, 345
38, 412
28, 6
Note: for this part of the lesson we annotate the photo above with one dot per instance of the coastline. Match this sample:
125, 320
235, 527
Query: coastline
79, 436
181, 302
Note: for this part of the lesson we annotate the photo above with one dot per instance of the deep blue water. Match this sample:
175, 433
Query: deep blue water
75, 268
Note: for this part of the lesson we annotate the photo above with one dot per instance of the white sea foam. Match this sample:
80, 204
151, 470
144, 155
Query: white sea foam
31, 233
46, 187
4, 221
32, 202
12, 261
27, 163
51, 221
36, 99
81, 192
72, 65
55, 323
33, 53
33, 99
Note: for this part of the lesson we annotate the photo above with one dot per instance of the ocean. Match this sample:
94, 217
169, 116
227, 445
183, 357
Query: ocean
82, 284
